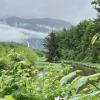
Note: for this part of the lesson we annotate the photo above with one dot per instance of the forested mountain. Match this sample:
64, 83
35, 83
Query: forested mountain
29, 31
44, 25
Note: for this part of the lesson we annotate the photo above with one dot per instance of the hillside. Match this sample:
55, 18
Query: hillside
75, 43
29, 31
25, 75
44, 25
32, 39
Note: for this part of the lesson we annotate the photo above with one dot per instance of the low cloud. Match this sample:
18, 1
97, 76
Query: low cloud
71, 10
8, 33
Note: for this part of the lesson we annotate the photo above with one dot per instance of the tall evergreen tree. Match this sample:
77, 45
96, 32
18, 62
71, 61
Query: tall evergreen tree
51, 45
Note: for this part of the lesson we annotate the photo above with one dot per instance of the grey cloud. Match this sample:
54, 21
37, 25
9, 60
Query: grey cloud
71, 10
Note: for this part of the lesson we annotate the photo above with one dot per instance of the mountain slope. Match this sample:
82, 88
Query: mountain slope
31, 38
37, 24
29, 31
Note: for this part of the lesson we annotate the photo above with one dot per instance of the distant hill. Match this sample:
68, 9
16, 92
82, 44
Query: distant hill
29, 31
37, 24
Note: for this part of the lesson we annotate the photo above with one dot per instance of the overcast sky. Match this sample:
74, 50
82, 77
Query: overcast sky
73, 11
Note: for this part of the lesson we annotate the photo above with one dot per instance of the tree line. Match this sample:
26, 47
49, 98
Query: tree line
75, 43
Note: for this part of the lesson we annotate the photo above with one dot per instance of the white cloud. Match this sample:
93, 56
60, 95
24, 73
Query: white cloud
8, 33
71, 10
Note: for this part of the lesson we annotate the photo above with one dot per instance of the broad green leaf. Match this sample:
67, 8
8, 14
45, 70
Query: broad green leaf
2, 99
81, 82
94, 77
9, 97
87, 96
94, 93
73, 84
69, 77
95, 38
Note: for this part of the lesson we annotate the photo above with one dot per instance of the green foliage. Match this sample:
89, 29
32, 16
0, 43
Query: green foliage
95, 38
52, 45
14, 53
94, 77
43, 81
97, 5
69, 77
75, 43
9, 97
24, 77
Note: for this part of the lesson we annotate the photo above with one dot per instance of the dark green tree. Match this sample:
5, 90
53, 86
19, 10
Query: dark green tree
96, 3
75, 43
51, 45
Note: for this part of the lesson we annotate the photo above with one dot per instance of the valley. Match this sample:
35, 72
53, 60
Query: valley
44, 58
29, 31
